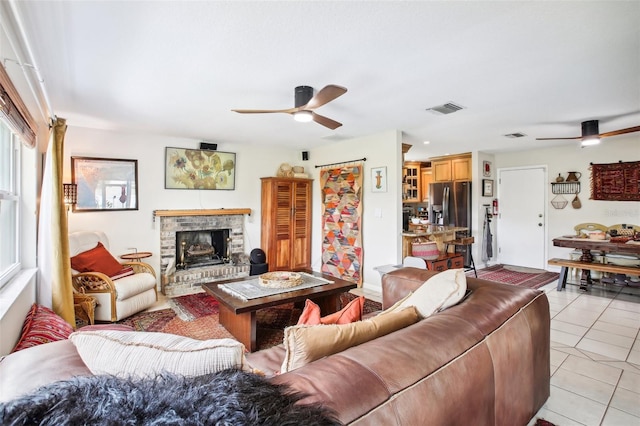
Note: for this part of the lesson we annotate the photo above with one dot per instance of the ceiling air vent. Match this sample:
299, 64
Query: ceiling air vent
447, 108
515, 135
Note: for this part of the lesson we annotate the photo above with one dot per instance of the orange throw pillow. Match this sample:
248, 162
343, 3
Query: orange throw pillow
350, 313
98, 259
310, 314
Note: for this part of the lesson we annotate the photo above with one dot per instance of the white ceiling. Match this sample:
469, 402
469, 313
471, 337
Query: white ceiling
177, 68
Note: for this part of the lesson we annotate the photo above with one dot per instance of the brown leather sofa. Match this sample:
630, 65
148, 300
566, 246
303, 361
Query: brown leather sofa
484, 361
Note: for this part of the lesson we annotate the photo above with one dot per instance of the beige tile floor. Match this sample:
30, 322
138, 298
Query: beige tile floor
595, 355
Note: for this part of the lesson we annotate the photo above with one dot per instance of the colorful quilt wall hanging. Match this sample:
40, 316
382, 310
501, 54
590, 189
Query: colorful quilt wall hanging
341, 222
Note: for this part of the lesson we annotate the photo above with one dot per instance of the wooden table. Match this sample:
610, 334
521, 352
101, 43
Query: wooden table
587, 244
239, 316
136, 255
586, 263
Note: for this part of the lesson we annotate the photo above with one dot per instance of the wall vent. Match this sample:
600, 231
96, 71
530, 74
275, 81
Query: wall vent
515, 135
447, 108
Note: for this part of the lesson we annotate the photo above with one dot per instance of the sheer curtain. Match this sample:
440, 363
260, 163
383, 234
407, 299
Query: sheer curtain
54, 269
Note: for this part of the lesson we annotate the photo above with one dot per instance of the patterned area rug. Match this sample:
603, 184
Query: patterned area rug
196, 316
503, 274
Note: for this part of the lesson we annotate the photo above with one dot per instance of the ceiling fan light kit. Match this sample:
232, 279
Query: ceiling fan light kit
590, 141
303, 116
591, 133
304, 104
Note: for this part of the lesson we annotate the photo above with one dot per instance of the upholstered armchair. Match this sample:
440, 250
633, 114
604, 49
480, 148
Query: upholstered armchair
121, 289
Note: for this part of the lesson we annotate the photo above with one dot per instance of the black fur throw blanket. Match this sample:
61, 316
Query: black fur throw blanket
225, 398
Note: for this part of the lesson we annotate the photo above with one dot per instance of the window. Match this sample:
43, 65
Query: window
9, 203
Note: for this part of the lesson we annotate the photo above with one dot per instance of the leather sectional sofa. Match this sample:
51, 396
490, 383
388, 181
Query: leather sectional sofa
484, 361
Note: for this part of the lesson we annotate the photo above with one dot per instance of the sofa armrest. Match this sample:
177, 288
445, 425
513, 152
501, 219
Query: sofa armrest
24, 371
397, 284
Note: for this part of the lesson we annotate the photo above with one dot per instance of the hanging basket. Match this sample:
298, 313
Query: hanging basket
559, 202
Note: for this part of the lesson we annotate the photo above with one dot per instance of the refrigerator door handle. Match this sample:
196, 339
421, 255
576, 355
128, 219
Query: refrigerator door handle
445, 206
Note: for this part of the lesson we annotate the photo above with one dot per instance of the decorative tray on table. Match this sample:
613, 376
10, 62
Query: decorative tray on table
280, 279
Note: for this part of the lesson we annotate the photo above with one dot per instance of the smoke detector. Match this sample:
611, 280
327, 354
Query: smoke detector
447, 108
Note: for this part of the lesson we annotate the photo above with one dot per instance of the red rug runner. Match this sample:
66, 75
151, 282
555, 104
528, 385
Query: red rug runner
501, 274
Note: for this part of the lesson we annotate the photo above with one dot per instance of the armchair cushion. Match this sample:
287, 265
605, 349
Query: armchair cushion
97, 259
133, 285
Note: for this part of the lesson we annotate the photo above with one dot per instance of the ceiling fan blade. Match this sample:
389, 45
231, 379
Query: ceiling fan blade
325, 95
558, 139
620, 132
325, 121
264, 111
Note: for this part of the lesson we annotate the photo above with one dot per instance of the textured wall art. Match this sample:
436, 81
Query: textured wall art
615, 181
199, 169
341, 218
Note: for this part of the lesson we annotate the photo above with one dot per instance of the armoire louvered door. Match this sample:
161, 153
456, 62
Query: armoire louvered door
286, 223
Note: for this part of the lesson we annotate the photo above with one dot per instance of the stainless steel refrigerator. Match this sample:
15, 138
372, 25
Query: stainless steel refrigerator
450, 205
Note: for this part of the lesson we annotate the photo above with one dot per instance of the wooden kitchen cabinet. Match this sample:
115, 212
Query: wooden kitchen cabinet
426, 179
441, 170
451, 168
461, 168
411, 182
286, 223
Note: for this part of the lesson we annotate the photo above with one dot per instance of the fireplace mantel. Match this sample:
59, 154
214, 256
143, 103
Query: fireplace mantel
200, 212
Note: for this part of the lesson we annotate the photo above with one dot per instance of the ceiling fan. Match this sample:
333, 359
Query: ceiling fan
305, 103
591, 134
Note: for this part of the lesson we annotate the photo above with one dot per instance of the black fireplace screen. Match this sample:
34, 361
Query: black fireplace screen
202, 248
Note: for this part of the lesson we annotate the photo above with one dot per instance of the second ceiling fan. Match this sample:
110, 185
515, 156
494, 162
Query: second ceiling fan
591, 134
305, 103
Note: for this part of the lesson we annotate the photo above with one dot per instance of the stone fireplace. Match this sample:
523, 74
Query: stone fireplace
200, 246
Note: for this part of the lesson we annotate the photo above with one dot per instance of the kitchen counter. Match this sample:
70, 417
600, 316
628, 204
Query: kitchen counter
437, 233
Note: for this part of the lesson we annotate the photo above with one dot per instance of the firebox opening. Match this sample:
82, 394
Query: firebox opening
201, 248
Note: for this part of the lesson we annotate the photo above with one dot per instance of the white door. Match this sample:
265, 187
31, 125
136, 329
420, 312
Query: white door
521, 227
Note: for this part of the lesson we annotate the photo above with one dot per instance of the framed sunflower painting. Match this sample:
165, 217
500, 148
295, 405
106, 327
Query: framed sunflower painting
199, 169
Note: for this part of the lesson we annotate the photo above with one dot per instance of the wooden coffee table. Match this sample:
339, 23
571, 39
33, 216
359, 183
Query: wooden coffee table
239, 316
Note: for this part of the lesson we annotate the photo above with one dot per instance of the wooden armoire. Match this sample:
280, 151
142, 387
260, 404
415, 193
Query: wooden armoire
286, 223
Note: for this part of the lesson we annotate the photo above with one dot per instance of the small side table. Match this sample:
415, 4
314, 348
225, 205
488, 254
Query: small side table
136, 255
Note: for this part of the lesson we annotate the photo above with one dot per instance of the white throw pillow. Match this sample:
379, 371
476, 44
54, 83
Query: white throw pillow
437, 293
144, 354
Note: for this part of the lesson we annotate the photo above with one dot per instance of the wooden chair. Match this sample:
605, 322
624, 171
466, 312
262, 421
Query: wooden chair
116, 298
587, 228
618, 228
415, 262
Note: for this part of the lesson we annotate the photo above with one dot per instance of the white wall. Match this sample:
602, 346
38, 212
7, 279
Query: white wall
573, 158
479, 203
381, 238
127, 229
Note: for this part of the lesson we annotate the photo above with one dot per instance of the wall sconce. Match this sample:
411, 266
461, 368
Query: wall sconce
70, 194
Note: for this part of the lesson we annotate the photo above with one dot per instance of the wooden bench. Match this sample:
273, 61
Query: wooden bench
586, 268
